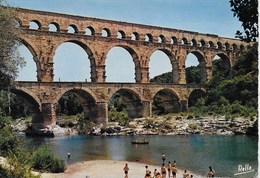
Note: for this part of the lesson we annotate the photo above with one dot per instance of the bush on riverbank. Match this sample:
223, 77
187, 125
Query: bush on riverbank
120, 117
44, 159
22, 158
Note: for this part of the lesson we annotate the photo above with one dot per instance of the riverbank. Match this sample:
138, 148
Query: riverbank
180, 125
107, 169
157, 125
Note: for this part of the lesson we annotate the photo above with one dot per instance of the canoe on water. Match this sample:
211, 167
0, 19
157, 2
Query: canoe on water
139, 142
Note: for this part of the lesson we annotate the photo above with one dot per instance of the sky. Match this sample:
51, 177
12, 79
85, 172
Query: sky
205, 16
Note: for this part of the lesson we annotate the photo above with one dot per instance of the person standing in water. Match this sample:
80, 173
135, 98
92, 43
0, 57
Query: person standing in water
163, 158
68, 155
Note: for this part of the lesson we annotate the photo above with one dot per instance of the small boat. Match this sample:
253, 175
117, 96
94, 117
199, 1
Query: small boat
140, 141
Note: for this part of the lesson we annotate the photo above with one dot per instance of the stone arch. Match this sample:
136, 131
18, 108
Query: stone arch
87, 48
227, 63
227, 46
105, 32
121, 34
173, 61
29, 97
211, 44
132, 101
194, 43
135, 36
166, 101
87, 100
202, 43
74, 27
184, 41
174, 40
194, 96
38, 23
219, 45
91, 30
32, 101
32, 48
56, 25
161, 39
202, 63
135, 58
149, 37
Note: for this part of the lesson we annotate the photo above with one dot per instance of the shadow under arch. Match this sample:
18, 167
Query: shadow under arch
202, 64
194, 96
136, 60
166, 101
88, 51
32, 101
131, 101
87, 101
173, 61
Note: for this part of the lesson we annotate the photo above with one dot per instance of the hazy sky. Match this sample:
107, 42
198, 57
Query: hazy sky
206, 16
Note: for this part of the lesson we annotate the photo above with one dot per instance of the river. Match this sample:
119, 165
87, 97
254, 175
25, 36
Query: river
225, 153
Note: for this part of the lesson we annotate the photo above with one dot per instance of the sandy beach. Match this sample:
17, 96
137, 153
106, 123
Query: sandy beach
107, 169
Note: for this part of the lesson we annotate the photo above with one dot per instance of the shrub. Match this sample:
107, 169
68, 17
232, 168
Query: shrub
44, 159
121, 117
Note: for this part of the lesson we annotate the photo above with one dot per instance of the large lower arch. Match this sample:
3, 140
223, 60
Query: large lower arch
194, 96
166, 101
87, 101
132, 102
33, 103
115, 57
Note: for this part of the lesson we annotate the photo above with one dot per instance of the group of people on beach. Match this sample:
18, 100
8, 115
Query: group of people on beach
170, 168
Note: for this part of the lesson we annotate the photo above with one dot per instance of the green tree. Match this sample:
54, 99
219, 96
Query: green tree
246, 11
163, 78
10, 58
193, 75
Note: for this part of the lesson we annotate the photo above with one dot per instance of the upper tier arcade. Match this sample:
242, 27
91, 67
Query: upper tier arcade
98, 36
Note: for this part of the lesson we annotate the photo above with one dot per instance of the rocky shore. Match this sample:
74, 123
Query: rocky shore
159, 125
177, 125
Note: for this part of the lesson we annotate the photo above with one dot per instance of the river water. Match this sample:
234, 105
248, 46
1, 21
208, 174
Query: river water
225, 153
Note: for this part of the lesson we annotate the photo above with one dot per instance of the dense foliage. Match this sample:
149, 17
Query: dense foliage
163, 78
69, 104
235, 93
193, 76
230, 91
247, 13
10, 59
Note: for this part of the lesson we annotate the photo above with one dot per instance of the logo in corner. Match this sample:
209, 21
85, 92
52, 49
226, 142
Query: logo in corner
244, 169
